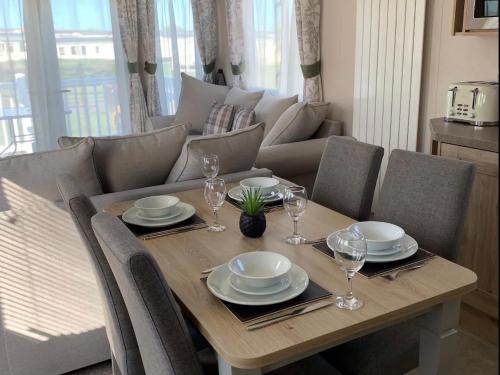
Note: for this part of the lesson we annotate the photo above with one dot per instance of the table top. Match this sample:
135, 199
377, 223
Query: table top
482, 138
183, 256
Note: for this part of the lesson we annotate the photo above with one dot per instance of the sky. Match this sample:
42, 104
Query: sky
67, 14
95, 14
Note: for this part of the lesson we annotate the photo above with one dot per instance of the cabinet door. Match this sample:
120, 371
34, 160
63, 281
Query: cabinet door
479, 248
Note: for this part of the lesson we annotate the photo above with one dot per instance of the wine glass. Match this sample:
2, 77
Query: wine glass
215, 194
349, 247
210, 165
295, 202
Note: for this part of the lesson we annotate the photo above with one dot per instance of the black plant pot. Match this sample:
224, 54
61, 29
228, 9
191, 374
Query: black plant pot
252, 226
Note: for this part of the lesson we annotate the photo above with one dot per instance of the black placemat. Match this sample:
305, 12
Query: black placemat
270, 206
144, 232
378, 269
245, 314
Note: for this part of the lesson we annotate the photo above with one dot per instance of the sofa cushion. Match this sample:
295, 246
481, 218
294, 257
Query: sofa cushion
35, 174
243, 119
298, 123
195, 101
270, 108
219, 120
137, 160
242, 98
237, 151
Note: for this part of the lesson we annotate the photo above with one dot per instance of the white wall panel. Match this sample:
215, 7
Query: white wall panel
388, 65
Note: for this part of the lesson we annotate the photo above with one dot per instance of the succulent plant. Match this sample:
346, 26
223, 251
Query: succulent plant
252, 203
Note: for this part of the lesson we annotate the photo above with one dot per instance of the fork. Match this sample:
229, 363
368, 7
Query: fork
393, 275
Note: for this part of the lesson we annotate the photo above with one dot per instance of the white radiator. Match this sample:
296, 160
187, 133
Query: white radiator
388, 65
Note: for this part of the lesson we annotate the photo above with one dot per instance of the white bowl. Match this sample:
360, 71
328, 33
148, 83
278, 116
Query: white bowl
259, 269
266, 185
157, 206
379, 235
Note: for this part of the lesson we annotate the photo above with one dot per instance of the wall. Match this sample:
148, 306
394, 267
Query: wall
447, 59
338, 38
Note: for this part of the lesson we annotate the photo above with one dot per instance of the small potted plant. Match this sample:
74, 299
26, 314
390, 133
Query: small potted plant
252, 219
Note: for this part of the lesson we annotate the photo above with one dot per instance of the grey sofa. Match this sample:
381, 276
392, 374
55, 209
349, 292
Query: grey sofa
51, 319
297, 162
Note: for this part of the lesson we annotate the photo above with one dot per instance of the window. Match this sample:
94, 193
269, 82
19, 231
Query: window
2, 48
176, 46
96, 50
86, 95
271, 47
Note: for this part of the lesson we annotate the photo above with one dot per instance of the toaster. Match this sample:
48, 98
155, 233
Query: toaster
473, 102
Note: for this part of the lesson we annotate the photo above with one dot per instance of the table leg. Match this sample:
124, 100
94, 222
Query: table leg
438, 338
226, 369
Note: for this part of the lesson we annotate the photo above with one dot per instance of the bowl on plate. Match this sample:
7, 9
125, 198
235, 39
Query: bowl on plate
266, 185
156, 206
379, 235
260, 269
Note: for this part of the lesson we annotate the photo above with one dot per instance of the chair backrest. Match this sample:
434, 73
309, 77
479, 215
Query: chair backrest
162, 334
427, 196
347, 177
119, 329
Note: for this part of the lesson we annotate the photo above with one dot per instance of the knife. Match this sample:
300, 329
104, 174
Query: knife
291, 314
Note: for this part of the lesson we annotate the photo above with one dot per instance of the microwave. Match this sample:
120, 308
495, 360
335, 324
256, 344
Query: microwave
480, 15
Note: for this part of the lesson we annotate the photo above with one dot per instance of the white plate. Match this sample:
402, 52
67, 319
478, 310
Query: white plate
389, 251
235, 193
177, 212
408, 247
130, 216
241, 287
219, 283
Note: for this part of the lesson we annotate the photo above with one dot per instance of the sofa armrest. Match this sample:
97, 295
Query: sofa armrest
292, 159
160, 122
328, 128
103, 200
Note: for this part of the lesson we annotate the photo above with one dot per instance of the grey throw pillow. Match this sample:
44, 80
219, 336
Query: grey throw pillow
237, 152
195, 101
242, 98
35, 174
138, 160
297, 123
270, 108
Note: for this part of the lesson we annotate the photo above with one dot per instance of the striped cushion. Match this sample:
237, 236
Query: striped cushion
219, 119
243, 118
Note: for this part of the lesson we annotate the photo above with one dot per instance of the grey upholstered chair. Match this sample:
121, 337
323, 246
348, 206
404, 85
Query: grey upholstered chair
427, 196
347, 177
126, 358
161, 331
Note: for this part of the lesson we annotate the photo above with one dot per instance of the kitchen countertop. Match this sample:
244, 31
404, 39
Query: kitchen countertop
483, 138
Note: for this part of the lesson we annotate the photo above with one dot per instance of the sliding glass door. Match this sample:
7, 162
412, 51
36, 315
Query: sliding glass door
61, 73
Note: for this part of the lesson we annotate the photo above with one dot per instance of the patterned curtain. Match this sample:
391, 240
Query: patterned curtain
127, 19
205, 28
234, 19
308, 15
147, 22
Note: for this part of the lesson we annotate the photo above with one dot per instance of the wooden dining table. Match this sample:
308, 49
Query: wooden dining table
432, 292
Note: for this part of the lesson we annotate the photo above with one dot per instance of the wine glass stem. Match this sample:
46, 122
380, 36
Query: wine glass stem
216, 221
349, 294
295, 225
